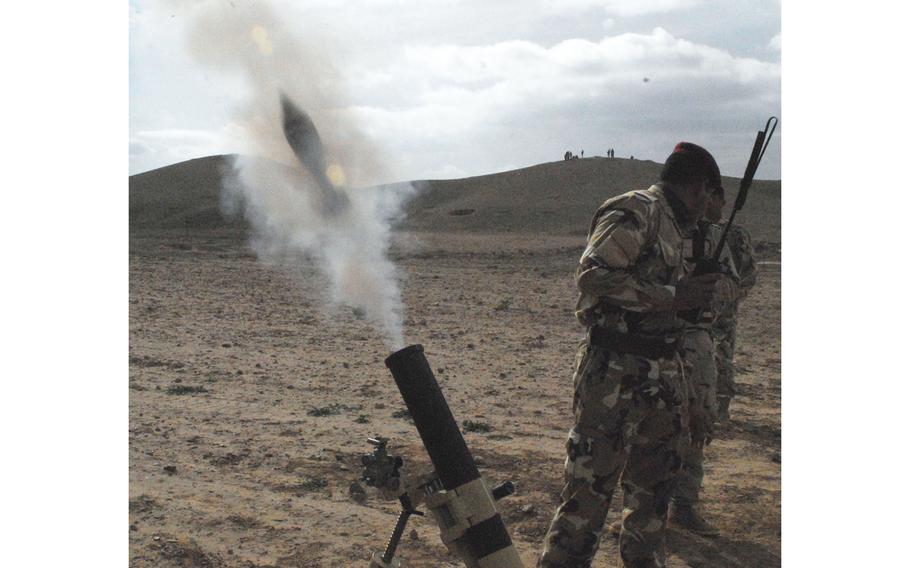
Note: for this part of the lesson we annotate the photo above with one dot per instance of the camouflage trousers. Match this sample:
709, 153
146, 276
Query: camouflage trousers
725, 344
699, 367
628, 428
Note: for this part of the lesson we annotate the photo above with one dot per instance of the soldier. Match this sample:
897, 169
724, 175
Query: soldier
698, 355
632, 400
740, 244
707, 358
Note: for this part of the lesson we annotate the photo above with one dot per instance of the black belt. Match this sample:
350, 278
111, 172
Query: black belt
647, 346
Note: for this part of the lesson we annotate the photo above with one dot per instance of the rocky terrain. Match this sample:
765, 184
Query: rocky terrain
251, 403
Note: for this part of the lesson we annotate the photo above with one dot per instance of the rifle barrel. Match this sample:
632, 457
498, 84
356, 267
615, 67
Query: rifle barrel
762, 139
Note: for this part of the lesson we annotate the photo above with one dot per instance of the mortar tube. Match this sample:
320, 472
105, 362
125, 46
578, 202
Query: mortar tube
487, 543
434, 421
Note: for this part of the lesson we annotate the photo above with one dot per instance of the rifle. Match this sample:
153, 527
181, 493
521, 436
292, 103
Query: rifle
713, 265
758, 151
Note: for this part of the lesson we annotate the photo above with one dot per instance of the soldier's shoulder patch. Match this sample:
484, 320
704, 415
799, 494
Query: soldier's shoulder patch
643, 207
639, 206
634, 200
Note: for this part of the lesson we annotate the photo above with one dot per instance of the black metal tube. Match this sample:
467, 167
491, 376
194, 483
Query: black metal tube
434, 421
448, 451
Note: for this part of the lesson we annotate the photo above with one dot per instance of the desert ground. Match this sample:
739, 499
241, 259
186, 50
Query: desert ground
251, 402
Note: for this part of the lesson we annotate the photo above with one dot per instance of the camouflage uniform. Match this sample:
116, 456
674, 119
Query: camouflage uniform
740, 244
629, 409
698, 353
698, 364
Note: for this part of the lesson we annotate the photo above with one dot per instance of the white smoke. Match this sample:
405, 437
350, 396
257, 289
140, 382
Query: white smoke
277, 195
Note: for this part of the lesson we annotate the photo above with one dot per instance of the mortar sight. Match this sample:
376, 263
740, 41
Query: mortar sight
379, 468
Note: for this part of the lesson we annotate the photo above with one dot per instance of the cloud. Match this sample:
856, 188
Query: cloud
184, 135
515, 70
536, 100
624, 8
774, 44
150, 149
448, 171
138, 148
451, 90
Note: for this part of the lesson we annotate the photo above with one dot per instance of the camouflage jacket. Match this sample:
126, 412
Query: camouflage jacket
709, 236
740, 244
635, 255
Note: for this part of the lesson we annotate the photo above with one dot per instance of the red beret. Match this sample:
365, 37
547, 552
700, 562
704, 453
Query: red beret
690, 163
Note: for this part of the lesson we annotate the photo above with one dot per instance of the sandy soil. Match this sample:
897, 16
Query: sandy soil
250, 404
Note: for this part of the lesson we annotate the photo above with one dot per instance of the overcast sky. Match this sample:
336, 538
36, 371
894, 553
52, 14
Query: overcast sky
449, 88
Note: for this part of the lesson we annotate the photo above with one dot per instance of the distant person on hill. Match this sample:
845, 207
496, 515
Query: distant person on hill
567, 155
635, 411
582, 153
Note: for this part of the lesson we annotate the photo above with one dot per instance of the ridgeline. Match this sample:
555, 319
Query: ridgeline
555, 198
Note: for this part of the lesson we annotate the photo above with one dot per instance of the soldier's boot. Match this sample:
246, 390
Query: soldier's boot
613, 530
723, 409
687, 518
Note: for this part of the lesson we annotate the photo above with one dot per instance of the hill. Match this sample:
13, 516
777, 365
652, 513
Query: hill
552, 198
180, 196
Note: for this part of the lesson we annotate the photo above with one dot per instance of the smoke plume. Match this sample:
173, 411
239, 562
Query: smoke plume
277, 193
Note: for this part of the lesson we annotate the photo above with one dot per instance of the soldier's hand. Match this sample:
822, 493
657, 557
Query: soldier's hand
696, 291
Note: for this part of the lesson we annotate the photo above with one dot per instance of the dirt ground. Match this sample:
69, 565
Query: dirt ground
251, 404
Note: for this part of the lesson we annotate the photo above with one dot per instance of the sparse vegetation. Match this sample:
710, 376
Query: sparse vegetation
244, 521
185, 389
313, 483
403, 413
475, 426
331, 409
